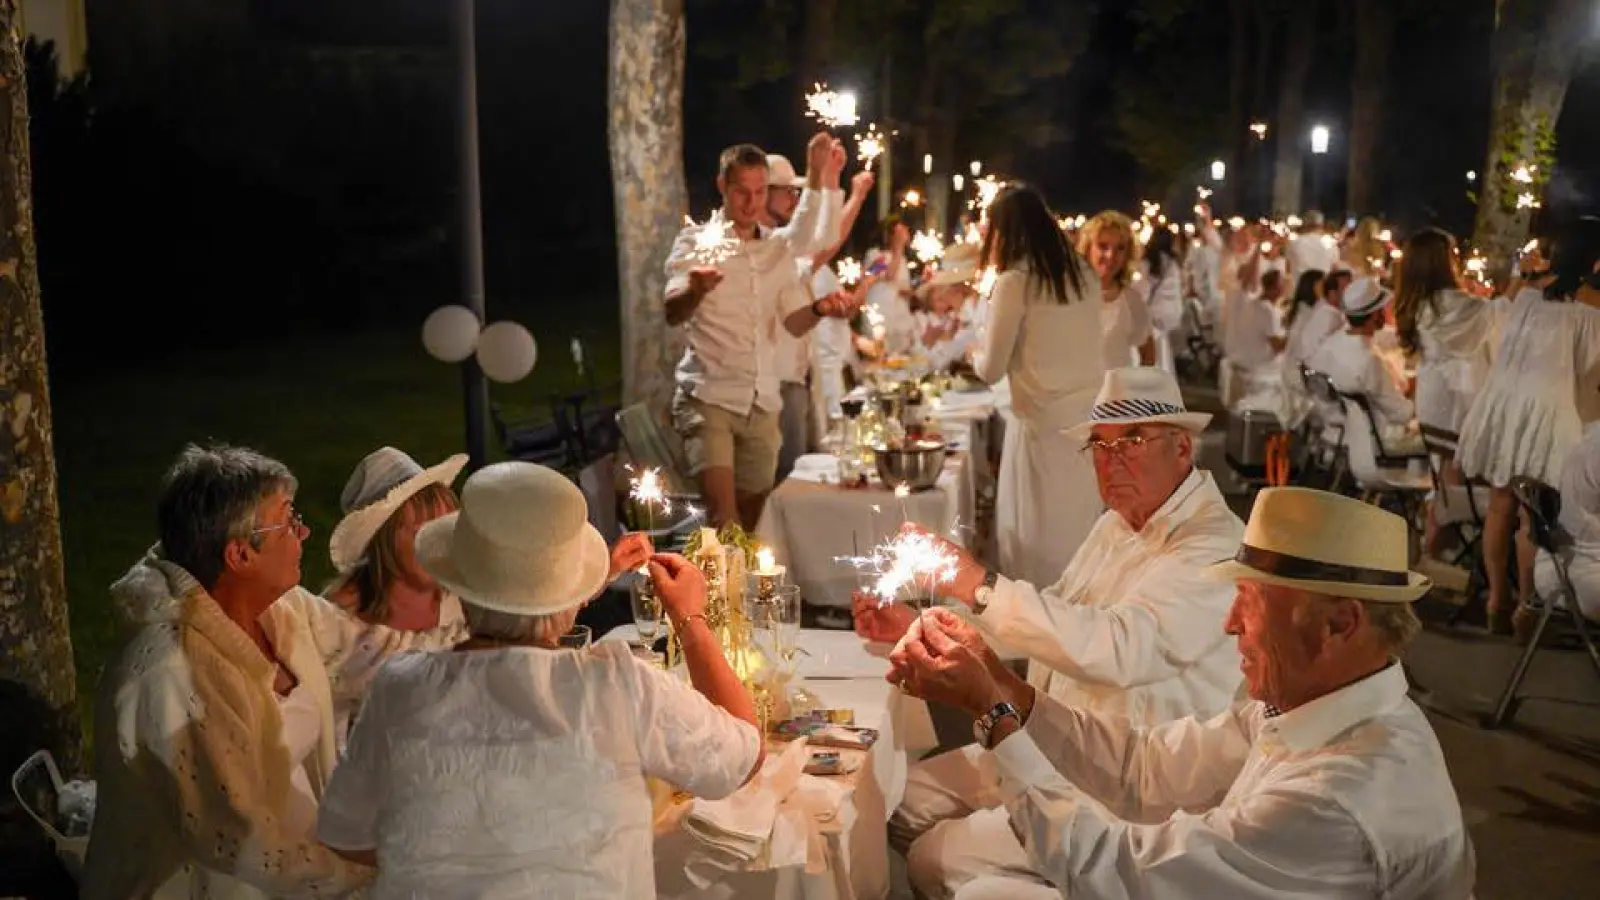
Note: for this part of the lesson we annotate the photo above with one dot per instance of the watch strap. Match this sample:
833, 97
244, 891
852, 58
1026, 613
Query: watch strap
985, 724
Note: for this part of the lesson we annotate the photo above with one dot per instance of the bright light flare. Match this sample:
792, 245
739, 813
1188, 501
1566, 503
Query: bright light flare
909, 559
869, 146
927, 246
987, 187
832, 108
714, 241
849, 271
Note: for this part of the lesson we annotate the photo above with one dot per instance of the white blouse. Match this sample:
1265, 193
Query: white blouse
521, 772
1124, 327
1045, 347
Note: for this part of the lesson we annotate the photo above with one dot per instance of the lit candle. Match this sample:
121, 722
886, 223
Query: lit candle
764, 562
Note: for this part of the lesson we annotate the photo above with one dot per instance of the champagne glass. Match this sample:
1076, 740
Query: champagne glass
646, 609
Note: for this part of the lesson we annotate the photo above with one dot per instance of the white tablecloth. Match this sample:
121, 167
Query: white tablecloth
810, 522
857, 850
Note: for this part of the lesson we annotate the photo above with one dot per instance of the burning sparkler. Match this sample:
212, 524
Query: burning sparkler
1526, 200
986, 280
1202, 191
1523, 174
849, 271
1259, 129
832, 108
869, 147
909, 559
987, 188
927, 246
647, 491
714, 242
912, 197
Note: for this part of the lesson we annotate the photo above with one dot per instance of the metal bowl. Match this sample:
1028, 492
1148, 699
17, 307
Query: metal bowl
916, 465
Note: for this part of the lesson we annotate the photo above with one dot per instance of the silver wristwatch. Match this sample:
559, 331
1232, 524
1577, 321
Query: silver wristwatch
984, 726
980, 597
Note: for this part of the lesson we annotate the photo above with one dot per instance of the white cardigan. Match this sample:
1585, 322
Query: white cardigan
194, 777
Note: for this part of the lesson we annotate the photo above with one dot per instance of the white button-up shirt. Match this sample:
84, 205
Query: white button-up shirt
1345, 797
730, 359
1313, 251
1134, 628
1353, 364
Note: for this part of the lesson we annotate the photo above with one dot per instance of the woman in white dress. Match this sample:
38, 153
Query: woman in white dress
509, 766
1107, 241
1541, 390
1044, 336
1444, 325
1159, 283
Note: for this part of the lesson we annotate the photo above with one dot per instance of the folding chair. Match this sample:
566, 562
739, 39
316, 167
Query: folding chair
1541, 504
1331, 455
1380, 473
1458, 509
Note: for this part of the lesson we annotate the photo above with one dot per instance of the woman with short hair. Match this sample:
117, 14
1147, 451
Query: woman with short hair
1107, 241
509, 766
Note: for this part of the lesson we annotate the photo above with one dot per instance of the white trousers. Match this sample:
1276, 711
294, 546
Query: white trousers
956, 836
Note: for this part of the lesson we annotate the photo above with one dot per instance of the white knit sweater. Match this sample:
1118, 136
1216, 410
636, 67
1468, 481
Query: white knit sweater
194, 777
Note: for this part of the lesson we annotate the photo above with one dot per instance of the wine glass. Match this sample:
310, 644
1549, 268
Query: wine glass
646, 609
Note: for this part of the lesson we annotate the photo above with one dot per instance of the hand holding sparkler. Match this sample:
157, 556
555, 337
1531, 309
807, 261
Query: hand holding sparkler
681, 587
819, 159
630, 553
837, 306
945, 659
880, 622
861, 183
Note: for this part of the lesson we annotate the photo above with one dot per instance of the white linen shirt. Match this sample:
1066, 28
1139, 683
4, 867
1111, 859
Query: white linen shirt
729, 360
1134, 628
1355, 367
1345, 797
1313, 251
521, 772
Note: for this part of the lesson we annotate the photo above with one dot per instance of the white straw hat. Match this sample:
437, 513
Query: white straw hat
1363, 297
1139, 395
781, 173
379, 486
958, 266
1325, 543
521, 544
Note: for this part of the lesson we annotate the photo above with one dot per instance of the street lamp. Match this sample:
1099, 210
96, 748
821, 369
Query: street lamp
927, 163
1319, 139
977, 168
1219, 170
957, 182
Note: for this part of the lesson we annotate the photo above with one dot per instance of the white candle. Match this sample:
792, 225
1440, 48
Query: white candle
764, 562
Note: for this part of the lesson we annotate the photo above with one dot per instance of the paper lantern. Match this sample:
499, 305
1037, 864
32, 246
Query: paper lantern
506, 352
450, 333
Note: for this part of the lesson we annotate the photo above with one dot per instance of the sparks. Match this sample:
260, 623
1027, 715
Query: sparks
986, 279
928, 246
909, 559
1526, 200
869, 146
987, 187
1202, 191
848, 270
1259, 129
1236, 223
1294, 222
714, 242
1524, 174
831, 108
913, 197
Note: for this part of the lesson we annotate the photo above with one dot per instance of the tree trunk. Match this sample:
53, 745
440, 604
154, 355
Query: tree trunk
816, 44
1259, 190
651, 199
38, 684
1233, 196
1369, 83
1289, 160
1536, 48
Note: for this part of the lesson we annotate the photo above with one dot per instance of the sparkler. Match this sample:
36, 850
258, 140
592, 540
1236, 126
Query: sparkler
714, 242
1294, 222
987, 187
1259, 129
913, 197
1202, 191
1236, 222
832, 108
647, 491
927, 246
1526, 200
973, 234
986, 280
869, 146
910, 558
849, 271
1523, 174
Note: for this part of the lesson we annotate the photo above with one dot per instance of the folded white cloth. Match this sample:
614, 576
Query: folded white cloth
816, 467
739, 826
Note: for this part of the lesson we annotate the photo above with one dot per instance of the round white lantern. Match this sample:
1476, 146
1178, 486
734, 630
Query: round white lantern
450, 333
506, 352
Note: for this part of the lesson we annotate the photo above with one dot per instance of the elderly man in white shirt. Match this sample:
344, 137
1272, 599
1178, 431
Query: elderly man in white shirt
1328, 783
1313, 249
1355, 366
728, 400
1131, 629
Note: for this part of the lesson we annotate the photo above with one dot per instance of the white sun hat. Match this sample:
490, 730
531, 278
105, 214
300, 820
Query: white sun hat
1138, 395
1364, 296
379, 486
781, 173
521, 544
958, 266
1327, 544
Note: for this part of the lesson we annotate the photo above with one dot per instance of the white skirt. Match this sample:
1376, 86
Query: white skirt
1047, 501
1516, 431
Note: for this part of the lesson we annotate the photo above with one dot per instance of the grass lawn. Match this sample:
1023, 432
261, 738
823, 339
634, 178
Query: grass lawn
319, 403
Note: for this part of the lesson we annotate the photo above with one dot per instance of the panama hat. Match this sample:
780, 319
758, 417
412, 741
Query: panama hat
380, 485
958, 266
521, 543
1363, 297
1139, 395
781, 173
1327, 544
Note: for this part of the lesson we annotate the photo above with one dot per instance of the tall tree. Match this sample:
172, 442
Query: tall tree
1536, 48
1234, 194
1289, 159
646, 137
1368, 91
38, 686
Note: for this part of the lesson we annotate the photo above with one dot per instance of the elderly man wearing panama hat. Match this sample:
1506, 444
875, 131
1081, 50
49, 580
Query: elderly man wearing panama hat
1353, 363
1328, 782
1132, 628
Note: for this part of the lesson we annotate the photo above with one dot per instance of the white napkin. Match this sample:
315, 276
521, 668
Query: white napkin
739, 826
819, 468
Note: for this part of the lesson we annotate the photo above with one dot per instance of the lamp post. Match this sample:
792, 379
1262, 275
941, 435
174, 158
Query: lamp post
1219, 171
1320, 135
476, 389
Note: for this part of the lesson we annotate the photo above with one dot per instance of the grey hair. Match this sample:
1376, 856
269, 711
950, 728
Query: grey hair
1396, 623
208, 498
494, 625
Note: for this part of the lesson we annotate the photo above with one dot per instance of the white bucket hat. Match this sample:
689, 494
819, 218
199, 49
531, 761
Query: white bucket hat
959, 266
1364, 296
1138, 395
781, 173
1325, 543
380, 485
521, 544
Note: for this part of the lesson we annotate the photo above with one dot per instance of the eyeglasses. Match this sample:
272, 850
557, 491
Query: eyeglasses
294, 522
1122, 446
